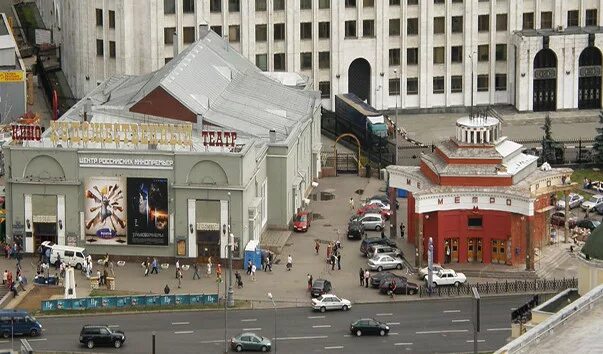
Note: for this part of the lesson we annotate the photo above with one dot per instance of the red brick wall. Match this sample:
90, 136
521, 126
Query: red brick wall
411, 218
427, 172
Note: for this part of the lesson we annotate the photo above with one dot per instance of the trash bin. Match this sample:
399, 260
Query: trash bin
253, 253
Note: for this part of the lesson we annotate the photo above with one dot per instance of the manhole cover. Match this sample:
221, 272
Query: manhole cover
359, 191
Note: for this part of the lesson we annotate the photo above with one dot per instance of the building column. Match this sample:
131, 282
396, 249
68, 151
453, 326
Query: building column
419, 241
529, 243
567, 212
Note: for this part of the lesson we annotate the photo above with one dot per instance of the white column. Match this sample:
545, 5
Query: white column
29, 241
223, 221
61, 224
191, 240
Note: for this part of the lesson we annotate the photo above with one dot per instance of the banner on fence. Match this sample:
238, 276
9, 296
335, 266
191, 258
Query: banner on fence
109, 302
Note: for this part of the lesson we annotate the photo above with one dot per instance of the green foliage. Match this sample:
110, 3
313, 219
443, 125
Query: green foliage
548, 135
598, 145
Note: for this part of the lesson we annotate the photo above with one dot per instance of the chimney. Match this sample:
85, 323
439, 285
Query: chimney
175, 44
272, 136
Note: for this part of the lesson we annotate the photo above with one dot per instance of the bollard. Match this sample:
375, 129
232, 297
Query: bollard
153, 346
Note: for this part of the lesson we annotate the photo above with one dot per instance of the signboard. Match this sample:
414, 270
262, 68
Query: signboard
26, 132
12, 76
147, 211
42, 36
125, 162
105, 214
218, 138
121, 133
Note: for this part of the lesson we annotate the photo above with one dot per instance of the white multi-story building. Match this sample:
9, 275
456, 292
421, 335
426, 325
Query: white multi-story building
532, 54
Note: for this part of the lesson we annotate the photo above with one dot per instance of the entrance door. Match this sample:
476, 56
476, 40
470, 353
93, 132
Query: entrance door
471, 250
208, 245
545, 81
451, 250
589, 84
499, 251
44, 231
359, 79
479, 251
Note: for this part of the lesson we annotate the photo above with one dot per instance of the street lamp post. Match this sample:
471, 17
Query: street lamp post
273, 305
230, 296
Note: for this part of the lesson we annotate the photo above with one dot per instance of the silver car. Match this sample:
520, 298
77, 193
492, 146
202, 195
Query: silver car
372, 221
382, 262
374, 250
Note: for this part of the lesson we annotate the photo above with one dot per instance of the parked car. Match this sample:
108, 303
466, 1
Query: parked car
574, 201
18, 322
371, 221
320, 287
384, 198
355, 230
250, 341
558, 218
448, 277
403, 287
381, 262
93, 336
367, 242
382, 204
593, 202
301, 223
368, 326
330, 302
376, 249
588, 224
423, 272
599, 209
374, 209
378, 277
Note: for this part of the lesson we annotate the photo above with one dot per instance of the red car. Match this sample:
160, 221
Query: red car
374, 209
301, 223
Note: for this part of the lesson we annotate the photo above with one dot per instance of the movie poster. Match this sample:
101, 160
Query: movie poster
105, 214
147, 211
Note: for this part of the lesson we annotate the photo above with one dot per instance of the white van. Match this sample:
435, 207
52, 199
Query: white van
73, 256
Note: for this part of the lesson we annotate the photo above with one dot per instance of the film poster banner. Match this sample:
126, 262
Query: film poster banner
105, 212
147, 211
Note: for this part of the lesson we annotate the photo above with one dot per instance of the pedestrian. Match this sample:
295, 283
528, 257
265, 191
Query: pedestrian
339, 261
209, 269
333, 261
155, 266
4, 277
105, 275
289, 262
253, 268
112, 269
383, 234
270, 259
338, 244
309, 282
316, 246
146, 267
21, 282
179, 275
196, 268
106, 260
219, 270
402, 228
366, 278
40, 253
351, 203
249, 267
99, 276
239, 280
58, 261
166, 290
177, 267
361, 274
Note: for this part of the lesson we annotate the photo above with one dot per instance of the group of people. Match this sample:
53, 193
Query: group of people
364, 275
13, 284
14, 251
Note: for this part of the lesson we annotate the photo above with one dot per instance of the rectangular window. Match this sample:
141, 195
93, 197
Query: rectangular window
217, 29
438, 2
100, 50
412, 86
278, 5
501, 22
412, 2
412, 26
483, 51
350, 29
111, 49
261, 33
412, 56
394, 87
279, 31
234, 33
305, 60
474, 222
368, 28
99, 17
501, 52
438, 55
500, 82
394, 57
169, 7
324, 60
279, 62
324, 30
188, 35
438, 25
456, 84
457, 24
456, 54
394, 27
591, 17
368, 3
528, 21
483, 23
457, 1
350, 3
572, 18
260, 5
305, 29
438, 84
324, 4
325, 89
482, 83
261, 61
168, 35
188, 6
234, 5
215, 5
305, 4
546, 20
111, 19
394, 2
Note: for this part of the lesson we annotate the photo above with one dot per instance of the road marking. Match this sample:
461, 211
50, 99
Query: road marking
571, 146
444, 331
180, 323
479, 341
37, 339
249, 320
498, 329
113, 326
393, 333
452, 311
212, 341
392, 323
334, 347
385, 314
345, 335
402, 343
184, 332
314, 317
296, 338
322, 326
513, 308
252, 329
455, 321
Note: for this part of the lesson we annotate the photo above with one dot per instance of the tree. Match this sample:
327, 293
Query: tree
547, 128
548, 143
598, 145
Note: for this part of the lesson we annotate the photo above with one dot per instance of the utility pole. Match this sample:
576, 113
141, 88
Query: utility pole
393, 222
230, 294
476, 320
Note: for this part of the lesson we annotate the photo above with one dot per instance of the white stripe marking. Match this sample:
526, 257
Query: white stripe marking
393, 333
184, 332
588, 146
392, 323
479, 341
513, 308
180, 323
452, 311
498, 329
455, 321
37, 339
322, 326
402, 343
444, 331
296, 338
113, 326
384, 314
252, 329
212, 341
571, 146
314, 317
335, 347
249, 320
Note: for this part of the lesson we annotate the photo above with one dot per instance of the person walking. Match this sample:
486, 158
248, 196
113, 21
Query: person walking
249, 267
179, 276
209, 264
155, 266
351, 203
402, 228
219, 270
289, 262
146, 267
333, 260
196, 268
339, 261
263, 262
366, 278
309, 281
177, 267
5, 277
383, 234
253, 268
316, 246
270, 259
361, 275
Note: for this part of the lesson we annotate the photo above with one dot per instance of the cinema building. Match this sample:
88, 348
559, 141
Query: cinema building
479, 197
161, 164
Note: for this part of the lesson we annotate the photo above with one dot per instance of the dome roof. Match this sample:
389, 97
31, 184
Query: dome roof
593, 248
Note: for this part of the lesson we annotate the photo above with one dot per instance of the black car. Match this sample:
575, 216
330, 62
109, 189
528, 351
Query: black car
368, 326
355, 230
588, 224
402, 286
375, 241
384, 198
378, 277
319, 287
92, 336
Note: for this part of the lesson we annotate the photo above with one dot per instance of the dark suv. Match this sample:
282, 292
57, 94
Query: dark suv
364, 246
93, 336
320, 286
355, 229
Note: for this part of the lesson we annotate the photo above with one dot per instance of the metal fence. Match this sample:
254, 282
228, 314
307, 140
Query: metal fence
502, 288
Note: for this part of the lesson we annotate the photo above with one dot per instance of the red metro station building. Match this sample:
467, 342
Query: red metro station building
479, 197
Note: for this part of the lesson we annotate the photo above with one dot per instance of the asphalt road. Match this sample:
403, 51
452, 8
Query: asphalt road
430, 326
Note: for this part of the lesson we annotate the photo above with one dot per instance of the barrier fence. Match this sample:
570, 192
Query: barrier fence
135, 301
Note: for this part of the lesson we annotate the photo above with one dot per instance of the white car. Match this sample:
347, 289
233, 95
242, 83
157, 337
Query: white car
423, 272
381, 262
592, 202
330, 302
379, 203
448, 277
574, 201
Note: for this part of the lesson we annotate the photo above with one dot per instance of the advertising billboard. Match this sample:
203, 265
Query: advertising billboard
105, 212
147, 211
